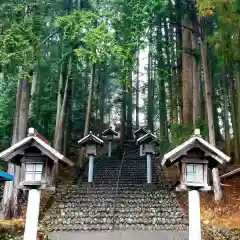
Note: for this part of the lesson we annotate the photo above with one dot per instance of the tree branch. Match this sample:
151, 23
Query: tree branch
183, 26
49, 36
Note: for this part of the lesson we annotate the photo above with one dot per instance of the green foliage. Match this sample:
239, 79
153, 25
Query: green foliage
181, 133
163, 144
225, 37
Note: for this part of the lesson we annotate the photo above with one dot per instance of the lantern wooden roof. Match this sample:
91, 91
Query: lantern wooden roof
33, 141
90, 138
140, 130
109, 131
194, 142
4, 176
149, 137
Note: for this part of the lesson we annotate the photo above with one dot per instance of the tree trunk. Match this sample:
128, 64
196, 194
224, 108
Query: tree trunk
225, 108
102, 96
169, 72
33, 94
60, 127
11, 193
59, 98
214, 82
137, 93
178, 7
8, 189
237, 80
89, 104
187, 74
233, 114
150, 106
208, 96
97, 91
123, 117
129, 102
88, 113
68, 120
196, 84
161, 83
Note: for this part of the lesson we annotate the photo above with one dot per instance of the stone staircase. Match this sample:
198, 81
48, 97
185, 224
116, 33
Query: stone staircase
102, 207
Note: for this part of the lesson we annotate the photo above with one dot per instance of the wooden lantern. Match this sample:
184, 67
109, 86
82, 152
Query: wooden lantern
91, 142
147, 141
37, 160
140, 133
109, 133
195, 157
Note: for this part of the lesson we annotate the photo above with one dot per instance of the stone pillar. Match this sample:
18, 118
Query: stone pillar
141, 150
90, 168
109, 148
149, 168
31, 226
194, 215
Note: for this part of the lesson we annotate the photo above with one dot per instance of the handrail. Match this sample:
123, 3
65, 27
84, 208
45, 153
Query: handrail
116, 192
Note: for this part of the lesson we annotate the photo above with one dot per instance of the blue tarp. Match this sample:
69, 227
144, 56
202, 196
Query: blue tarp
5, 176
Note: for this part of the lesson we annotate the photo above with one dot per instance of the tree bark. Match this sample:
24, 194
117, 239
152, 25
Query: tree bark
233, 114
129, 102
137, 93
196, 84
8, 189
102, 96
11, 193
225, 108
60, 122
33, 94
169, 72
187, 74
123, 117
59, 99
208, 96
88, 113
179, 46
150, 106
237, 80
161, 83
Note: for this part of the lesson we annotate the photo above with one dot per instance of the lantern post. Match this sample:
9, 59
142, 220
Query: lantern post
138, 134
194, 157
147, 144
109, 133
37, 161
90, 142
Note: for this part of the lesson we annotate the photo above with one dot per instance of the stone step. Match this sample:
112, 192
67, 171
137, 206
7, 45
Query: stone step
84, 208
120, 235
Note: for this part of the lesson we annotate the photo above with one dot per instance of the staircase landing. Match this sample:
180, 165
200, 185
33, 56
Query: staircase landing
120, 235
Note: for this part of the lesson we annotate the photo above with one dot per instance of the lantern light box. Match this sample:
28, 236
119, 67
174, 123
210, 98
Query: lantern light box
195, 157
138, 134
37, 160
147, 142
109, 133
91, 142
